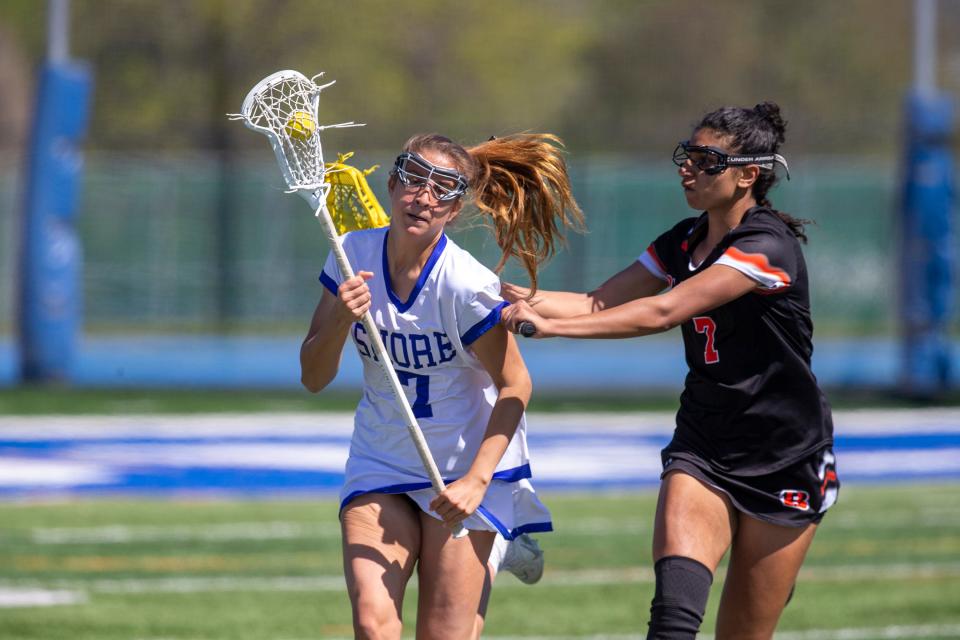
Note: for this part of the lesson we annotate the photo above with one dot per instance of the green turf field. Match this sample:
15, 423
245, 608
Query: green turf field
67, 400
886, 564
34, 400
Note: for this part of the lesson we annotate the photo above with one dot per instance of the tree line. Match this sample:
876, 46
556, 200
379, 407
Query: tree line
618, 76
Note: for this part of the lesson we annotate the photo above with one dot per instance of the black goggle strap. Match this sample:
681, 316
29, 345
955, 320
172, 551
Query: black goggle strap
723, 160
766, 161
402, 166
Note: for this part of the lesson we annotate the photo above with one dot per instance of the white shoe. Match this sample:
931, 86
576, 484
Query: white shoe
524, 559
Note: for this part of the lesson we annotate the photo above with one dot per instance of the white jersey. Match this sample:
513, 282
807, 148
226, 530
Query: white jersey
428, 336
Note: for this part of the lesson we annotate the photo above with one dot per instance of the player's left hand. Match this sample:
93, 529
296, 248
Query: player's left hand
459, 500
521, 311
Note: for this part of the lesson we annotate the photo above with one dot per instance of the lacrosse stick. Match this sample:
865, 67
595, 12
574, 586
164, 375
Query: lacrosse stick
350, 200
283, 106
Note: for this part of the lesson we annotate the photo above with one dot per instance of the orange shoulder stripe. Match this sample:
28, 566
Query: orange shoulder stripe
759, 262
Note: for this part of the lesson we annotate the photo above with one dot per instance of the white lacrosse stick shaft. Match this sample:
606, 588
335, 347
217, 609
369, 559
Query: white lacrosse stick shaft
373, 333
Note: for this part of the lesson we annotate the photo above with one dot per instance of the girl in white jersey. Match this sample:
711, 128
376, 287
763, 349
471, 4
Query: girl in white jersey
438, 313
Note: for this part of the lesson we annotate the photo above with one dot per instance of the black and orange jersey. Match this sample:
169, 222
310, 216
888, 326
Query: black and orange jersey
751, 404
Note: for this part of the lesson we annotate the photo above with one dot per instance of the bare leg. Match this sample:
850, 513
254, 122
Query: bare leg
764, 563
381, 541
693, 521
452, 577
694, 527
484, 601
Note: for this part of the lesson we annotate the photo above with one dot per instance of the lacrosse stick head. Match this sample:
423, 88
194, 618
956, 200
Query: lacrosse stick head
350, 200
283, 106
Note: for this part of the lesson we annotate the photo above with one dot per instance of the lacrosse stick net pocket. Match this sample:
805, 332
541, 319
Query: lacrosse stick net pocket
283, 106
350, 200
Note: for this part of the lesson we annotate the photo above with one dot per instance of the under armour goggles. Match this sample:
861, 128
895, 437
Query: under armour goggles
713, 161
443, 183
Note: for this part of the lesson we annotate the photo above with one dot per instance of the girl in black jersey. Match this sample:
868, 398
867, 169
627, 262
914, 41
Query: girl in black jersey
750, 467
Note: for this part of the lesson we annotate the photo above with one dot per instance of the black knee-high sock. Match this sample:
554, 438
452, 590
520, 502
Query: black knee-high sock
683, 585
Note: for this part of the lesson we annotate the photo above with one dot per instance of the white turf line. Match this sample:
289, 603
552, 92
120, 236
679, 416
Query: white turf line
215, 425
896, 632
123, 534
11, 598
853, 633
290, 530
628, 575
273, 530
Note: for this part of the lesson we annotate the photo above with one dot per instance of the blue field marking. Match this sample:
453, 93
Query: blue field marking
303, 454
894, 442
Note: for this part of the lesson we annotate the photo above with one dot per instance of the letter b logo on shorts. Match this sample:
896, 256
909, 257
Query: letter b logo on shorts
795, 499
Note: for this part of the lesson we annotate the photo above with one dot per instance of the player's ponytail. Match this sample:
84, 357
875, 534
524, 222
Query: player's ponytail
522, 186
520, 183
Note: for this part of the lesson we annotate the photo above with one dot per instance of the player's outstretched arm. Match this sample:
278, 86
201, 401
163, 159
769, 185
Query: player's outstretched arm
629, 284
717, 285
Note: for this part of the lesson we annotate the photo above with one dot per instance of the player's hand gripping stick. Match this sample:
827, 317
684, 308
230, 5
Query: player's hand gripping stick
526, 329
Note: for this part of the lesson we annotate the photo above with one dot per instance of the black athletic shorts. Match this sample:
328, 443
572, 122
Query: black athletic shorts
794, 496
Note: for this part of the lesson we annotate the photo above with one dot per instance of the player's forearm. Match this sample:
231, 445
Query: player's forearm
506, 415
552, 304
639, 318
320, 355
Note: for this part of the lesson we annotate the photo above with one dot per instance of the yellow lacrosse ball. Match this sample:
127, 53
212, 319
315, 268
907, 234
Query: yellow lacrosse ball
301, 125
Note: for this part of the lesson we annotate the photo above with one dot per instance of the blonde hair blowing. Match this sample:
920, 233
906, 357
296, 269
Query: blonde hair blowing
521, 183
523, 186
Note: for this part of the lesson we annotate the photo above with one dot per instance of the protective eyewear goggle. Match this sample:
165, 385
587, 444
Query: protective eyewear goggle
444, 184
713, 161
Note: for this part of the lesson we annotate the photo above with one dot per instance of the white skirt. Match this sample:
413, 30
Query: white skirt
508, 507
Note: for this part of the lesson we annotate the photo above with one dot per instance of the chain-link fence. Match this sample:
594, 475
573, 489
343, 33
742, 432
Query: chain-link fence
192, 244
